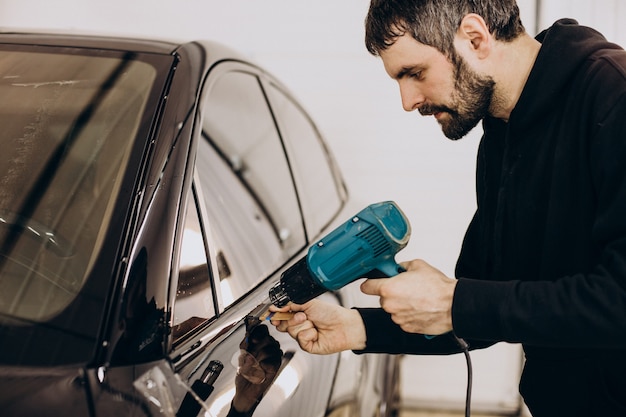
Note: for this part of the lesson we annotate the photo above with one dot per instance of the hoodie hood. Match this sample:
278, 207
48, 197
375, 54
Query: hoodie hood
565, 46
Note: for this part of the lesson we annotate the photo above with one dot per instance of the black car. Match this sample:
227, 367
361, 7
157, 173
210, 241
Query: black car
150, 195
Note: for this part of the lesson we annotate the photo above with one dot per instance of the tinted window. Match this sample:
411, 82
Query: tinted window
249, 192
68, 123
313, 169
70, 120
243, 237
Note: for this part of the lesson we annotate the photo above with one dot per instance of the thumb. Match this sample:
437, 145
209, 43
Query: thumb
372, 286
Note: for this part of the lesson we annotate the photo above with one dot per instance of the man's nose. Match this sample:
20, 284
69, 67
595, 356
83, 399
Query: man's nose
411, 95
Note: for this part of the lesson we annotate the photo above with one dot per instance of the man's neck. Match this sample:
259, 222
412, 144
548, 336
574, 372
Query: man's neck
514, 62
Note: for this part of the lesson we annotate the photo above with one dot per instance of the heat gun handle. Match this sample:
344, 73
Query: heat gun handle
392, 269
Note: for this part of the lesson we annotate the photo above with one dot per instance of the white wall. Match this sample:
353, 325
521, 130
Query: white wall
316, 47
607, 16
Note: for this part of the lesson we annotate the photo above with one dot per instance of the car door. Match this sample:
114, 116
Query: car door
243, 226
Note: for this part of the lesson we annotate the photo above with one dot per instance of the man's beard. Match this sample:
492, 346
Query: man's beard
471, 102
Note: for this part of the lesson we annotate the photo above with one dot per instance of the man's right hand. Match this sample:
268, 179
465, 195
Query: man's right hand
323, 328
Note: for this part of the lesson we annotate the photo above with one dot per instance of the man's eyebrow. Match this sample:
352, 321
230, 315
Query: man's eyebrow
402, 72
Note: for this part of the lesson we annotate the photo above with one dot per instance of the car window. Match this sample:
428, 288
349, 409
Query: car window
251, 202
319, 190
244, 240
68, 125
194, 296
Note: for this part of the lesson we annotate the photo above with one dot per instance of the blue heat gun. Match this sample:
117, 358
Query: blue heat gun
364, 244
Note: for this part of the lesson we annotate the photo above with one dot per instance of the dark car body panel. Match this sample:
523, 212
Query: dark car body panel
136, 367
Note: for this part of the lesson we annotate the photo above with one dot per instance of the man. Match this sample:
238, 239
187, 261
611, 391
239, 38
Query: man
543, 262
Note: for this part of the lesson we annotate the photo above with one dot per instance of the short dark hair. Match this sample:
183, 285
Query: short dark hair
435, 22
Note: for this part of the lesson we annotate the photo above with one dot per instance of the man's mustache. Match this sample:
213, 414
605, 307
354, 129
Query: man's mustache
429, 110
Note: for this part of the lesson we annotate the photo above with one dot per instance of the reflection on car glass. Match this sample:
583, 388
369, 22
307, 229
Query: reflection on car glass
68, 125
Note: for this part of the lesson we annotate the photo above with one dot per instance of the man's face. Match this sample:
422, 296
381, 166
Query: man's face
454, 94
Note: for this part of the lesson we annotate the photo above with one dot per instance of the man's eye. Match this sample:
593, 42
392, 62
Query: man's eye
417, 75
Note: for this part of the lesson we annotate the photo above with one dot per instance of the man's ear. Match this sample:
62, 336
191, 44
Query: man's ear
473, 37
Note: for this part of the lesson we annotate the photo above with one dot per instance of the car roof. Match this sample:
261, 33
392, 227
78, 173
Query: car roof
215, 51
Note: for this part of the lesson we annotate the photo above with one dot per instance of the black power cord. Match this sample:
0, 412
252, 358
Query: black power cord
468, 393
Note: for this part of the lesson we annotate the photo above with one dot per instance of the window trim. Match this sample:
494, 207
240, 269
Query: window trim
208, 239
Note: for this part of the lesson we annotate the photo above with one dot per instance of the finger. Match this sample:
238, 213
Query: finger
405, 265
307, 338
372, 286
294, 331
290, 325
412, 265
283, 325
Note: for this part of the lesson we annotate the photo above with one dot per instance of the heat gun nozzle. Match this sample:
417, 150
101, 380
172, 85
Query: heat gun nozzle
296, 285
278, 296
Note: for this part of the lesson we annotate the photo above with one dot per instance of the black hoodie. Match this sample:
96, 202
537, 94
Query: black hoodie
543, 262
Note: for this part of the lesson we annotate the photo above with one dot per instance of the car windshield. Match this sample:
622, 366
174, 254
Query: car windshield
68, 125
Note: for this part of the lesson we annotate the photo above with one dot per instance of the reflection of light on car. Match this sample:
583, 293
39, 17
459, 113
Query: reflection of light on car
220, 402
227, 292
287, 381
192, 249
282, 388
192, 254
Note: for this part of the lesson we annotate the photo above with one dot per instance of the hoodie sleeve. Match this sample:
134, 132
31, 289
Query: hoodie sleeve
384, 336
